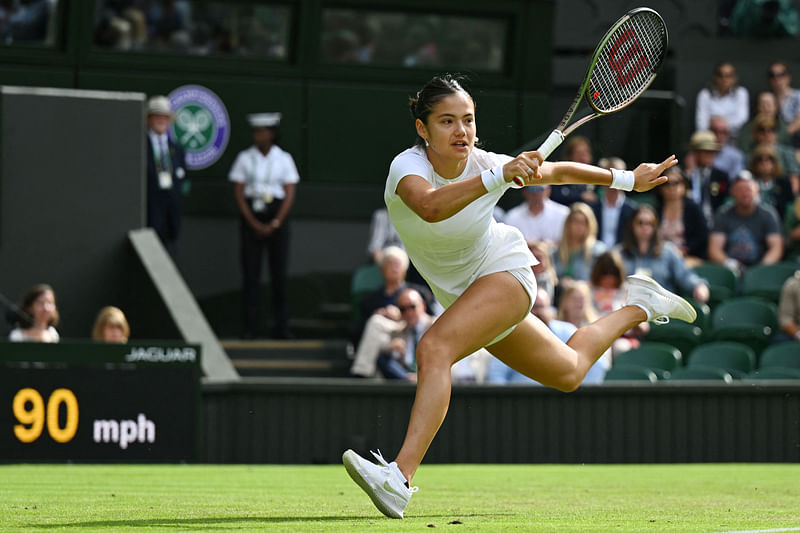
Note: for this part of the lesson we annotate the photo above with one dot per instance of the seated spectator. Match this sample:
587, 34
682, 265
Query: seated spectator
546, 277
577, 148
780, 81
789, 310
579, 247
379, 330
38, 318
538, 218
500, 373
111, 326
775, 187
724, 97
682, 220
614, 208
766, 104
708, 186
644, 251
607, 285
398, 359
729, 159
764, 133
394, 266
746, 232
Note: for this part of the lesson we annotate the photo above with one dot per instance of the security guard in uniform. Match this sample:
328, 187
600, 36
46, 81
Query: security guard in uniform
264, 177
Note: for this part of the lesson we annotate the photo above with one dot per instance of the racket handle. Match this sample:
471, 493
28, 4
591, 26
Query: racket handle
547, 147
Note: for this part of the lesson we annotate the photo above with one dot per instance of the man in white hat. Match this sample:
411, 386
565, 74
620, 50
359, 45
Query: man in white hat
708, 186
166, 174
264, 178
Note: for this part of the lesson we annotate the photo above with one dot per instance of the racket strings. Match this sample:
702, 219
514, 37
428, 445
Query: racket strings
627, 62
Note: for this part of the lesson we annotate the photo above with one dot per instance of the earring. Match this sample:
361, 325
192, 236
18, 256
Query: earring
427, 143
477, 140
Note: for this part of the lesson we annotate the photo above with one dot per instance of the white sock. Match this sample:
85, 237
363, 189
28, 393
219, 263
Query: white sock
646, 312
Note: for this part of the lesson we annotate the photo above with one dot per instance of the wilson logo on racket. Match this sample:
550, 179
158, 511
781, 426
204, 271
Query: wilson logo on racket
627, 58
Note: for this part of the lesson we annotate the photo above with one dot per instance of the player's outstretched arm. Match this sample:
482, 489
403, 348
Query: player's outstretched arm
645, 176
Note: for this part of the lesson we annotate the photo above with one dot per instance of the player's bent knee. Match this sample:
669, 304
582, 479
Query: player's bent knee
568, 382
431, 354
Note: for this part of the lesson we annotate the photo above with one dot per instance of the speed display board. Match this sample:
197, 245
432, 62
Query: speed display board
93, 402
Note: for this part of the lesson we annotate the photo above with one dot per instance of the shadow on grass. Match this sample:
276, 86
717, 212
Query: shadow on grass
210, 521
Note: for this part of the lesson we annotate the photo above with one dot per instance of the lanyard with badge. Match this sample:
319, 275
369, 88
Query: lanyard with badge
163, 163
263, 197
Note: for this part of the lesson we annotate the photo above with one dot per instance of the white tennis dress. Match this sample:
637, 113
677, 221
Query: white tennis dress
453, 253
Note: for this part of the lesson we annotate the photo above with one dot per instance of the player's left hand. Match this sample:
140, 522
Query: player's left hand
649, 175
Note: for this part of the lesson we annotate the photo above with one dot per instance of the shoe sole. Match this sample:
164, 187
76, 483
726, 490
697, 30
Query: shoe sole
350, 460
644, 281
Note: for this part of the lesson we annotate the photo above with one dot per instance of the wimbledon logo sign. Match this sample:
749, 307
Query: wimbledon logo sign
201, 125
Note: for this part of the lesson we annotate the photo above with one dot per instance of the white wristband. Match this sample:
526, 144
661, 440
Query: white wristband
492, 178
622, 179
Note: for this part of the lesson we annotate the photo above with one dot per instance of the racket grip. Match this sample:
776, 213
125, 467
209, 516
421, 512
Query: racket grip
546, 148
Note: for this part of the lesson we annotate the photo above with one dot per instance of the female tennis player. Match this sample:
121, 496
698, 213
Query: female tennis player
440, 195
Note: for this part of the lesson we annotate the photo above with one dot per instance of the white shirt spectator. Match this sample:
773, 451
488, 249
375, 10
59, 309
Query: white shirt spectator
548, 225
734, 106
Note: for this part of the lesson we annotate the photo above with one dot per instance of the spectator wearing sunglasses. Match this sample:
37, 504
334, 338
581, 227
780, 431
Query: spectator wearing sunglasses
780, 81
774, 186
766, 104
765, 133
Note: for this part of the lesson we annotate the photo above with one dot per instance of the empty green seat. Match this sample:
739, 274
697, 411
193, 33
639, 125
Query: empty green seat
736, 358
749, 320
659, 357
701, 373
366, 279
785, 354
766, 280
677, 333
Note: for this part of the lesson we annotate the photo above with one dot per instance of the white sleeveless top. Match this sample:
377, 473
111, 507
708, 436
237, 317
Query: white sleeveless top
453, 253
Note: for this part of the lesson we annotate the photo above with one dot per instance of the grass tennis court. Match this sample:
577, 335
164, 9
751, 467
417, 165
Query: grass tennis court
460, 498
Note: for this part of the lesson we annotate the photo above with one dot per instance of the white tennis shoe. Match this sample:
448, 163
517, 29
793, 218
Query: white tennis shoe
659, 304
384, 483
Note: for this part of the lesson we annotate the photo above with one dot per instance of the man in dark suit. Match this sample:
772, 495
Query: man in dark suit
612, 212
166, 175
707, 186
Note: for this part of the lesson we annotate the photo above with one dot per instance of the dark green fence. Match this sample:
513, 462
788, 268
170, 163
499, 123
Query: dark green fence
286, 421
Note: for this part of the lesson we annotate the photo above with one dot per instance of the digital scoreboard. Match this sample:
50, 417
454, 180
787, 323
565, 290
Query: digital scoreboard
99, 402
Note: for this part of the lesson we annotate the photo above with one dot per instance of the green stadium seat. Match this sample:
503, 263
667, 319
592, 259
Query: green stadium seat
766, 281
785, 354
774, 372
679, 334
630, 373
749, 320
366, 279
735, 358
701, 373
722, 282
659, 357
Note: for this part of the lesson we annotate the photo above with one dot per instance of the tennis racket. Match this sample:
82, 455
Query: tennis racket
623, 66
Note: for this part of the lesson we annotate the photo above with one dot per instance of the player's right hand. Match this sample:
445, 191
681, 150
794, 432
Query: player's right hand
525, 166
